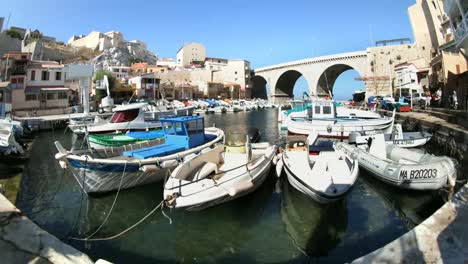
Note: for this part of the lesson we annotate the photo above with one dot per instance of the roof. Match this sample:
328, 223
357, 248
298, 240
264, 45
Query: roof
181, 118
129, 106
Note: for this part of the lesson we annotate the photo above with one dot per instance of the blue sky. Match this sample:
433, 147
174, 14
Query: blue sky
263, 32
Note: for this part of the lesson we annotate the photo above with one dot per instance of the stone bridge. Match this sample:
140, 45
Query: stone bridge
319, 72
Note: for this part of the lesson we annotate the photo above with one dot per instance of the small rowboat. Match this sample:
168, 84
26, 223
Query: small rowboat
98, 141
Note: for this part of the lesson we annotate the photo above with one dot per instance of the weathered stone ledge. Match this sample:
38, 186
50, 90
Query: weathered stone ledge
22, 241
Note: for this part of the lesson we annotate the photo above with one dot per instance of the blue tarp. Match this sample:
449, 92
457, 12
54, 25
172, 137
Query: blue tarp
155, 151
145, 135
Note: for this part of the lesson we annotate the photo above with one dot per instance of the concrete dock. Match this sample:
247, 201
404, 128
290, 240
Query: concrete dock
53, 121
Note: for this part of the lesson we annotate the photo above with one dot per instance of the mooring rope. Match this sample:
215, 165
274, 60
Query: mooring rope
113, 204
161, 204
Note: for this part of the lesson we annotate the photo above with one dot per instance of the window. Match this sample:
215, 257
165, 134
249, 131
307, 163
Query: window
33, 76
115, 70
58, 76
45, 76
23, 57
51, 96
235, 72
62, 95
31, 97
317, 109
327, 110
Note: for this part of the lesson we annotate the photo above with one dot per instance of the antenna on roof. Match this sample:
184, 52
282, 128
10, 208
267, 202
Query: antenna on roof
8, 20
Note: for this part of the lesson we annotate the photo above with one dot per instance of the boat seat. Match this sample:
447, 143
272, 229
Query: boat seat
206, 170
154, 151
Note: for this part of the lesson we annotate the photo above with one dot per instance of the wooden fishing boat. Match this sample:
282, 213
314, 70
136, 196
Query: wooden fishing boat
110, 169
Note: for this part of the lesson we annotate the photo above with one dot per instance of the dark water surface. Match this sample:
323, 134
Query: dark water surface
275, 224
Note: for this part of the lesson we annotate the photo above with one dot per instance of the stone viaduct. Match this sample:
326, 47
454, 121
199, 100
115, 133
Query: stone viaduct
319, 72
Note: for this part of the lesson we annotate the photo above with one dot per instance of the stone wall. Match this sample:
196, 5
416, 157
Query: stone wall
22, 241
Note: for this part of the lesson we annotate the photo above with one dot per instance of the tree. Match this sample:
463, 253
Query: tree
100, 76
134, 60
14, 33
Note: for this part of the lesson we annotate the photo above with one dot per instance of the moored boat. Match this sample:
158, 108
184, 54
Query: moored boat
403, 168
320, 172
110, 169
98, 141
322, 119
219, 175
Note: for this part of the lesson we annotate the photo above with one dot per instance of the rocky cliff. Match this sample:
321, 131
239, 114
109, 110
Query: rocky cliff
123, 56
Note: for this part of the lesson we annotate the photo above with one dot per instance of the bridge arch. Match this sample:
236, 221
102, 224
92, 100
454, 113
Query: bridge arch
327, 79
259, 87
286, 81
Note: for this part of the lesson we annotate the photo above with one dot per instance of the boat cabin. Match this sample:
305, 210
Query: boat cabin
185, 130
322, 109
180, 133
128, 113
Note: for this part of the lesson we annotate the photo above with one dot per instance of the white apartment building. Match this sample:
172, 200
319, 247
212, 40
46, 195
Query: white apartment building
44, 88
189, 53
120, 72
457, 11
407, 80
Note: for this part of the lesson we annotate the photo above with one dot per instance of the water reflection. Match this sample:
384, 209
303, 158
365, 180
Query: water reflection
412, 206
314, 228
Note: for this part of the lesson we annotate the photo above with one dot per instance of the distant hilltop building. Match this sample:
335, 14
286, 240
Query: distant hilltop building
190, 53
97, 40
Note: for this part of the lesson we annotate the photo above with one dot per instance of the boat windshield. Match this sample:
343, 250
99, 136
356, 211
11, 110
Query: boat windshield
195, 126
236, 143
236, 139
125, 116
174, 128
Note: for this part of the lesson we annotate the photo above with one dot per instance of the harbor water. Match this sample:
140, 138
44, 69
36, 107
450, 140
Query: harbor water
275, 224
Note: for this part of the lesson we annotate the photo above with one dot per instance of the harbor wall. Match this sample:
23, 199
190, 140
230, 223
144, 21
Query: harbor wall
442, 238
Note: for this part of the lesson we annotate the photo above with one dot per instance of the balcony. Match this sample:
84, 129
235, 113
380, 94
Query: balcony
461, 32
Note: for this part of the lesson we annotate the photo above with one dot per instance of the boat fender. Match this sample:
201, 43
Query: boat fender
149, 168
279, 167
241, 187
63, 164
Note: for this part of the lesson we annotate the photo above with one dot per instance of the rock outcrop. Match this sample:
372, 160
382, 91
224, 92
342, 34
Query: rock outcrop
123, 56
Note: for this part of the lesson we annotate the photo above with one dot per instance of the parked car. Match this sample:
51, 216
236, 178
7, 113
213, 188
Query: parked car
419, 98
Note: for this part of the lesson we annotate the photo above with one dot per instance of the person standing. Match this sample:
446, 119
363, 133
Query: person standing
427, 93
438, 97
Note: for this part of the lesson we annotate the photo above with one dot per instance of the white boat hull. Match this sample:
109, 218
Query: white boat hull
334, 129
317, 183
204, 193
